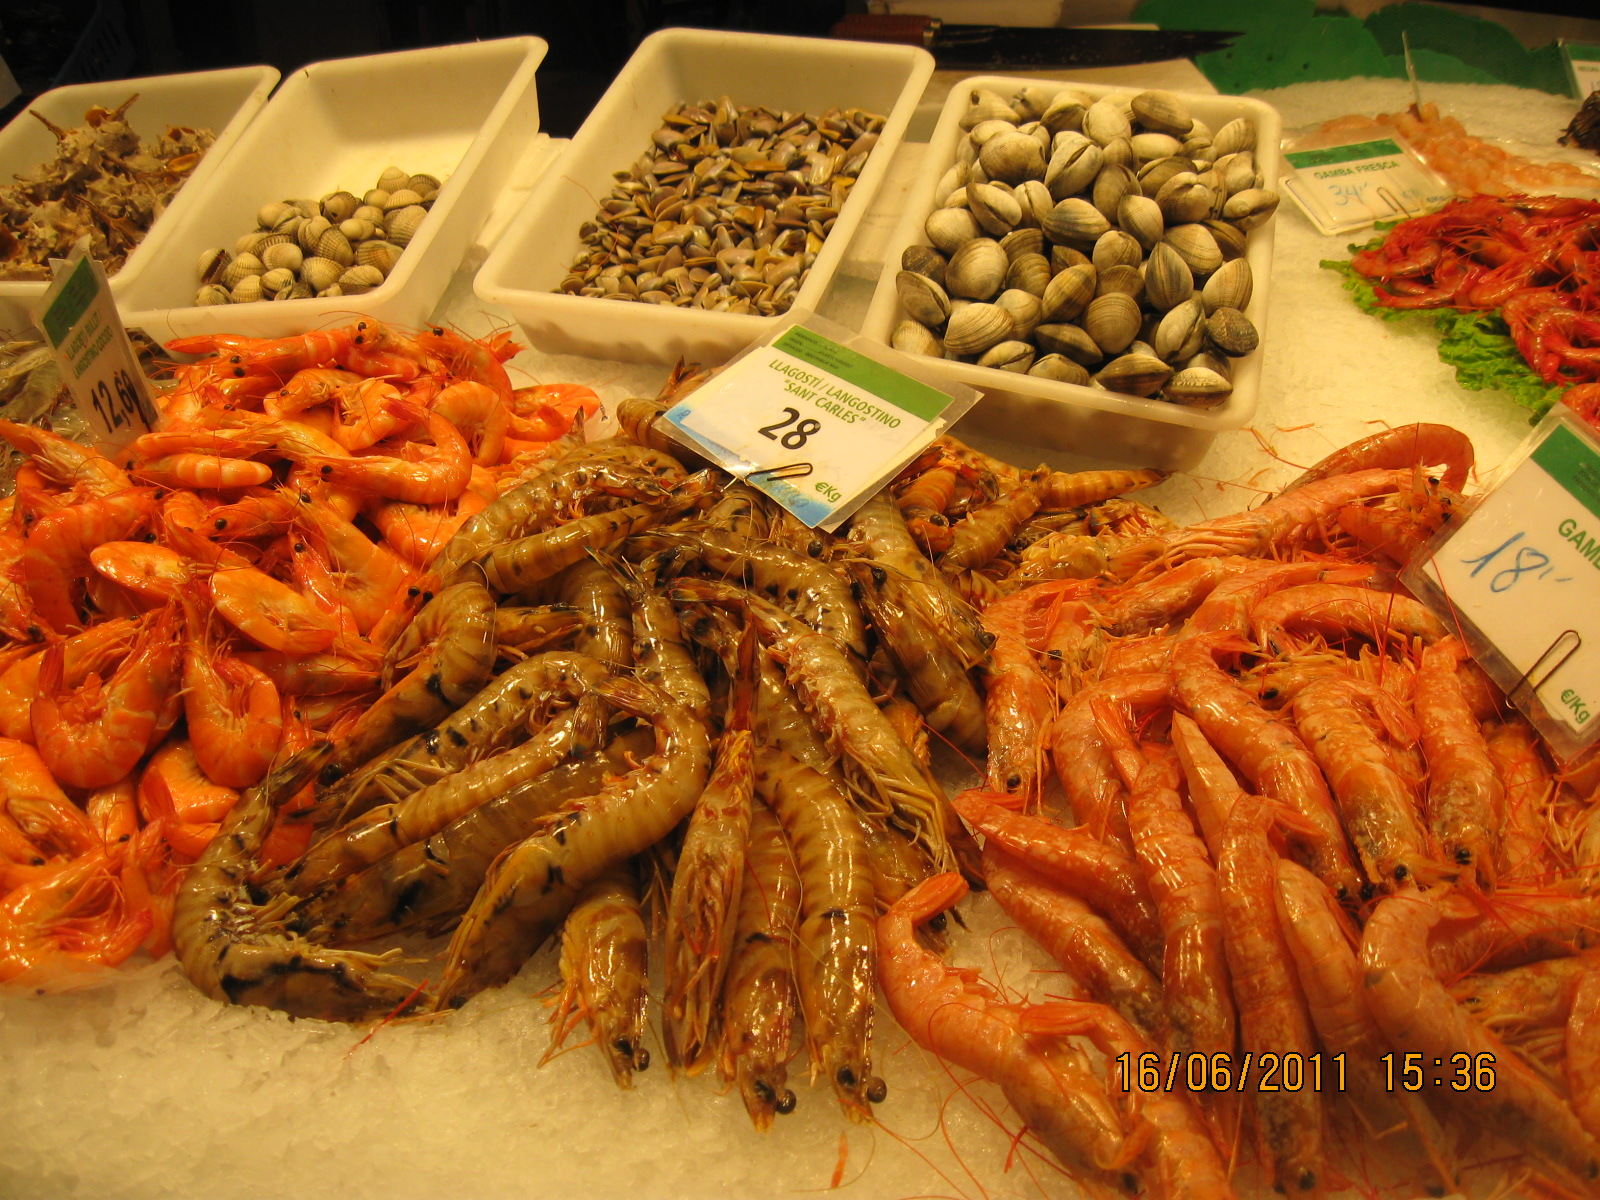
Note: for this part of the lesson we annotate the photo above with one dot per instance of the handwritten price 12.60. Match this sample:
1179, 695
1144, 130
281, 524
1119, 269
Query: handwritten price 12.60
1527, 561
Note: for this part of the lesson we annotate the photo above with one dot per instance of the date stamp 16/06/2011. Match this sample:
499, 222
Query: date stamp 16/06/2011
1294, 1072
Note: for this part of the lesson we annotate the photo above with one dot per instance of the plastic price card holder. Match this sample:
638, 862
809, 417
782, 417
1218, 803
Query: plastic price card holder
1351, 182
818, 417
1520, 575
80, 321
1583, 67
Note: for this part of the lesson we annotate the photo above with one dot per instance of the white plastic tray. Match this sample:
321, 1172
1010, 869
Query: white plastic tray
224, 102
467, 112
1064, 417
672, 66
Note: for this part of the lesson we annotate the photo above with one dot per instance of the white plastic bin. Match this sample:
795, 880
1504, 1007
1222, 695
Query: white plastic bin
670, 67
1021, 410
463, 113
223, 101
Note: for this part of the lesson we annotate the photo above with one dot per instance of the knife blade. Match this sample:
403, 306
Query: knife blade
976, 47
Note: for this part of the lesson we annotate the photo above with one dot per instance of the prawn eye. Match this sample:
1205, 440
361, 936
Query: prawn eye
763, 1090
877, 1090
1400, 872
785, 1102
846, 1077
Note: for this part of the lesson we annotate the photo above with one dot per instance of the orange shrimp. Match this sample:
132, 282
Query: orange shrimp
1226, 609
1336, 610
33, 799
1379, 808
367, 413
282, 358
1083, 943
190, 795
370, 577
565, 400
1183, 883
264, 512
150, 571
1522, 852
95, 649
1266, 750
1582, 1061
1157, 603
469, 360
1273, 1018
94, 733
1289, 516
203, 471
1082, 762
271, 614
18, 620
1321, 941
1180, 1160
421, 474
315, 674
481, 414
64, 462
233, 711
1411, 1005
1402, 446
308, 388
1465, 795
954, 1014
1105, 876
56, 549
57, 930
417, 533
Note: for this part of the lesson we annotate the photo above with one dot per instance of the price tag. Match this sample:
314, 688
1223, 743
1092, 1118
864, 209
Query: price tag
1521, 574
817, 425
1351, 186
80, 321
1583, 68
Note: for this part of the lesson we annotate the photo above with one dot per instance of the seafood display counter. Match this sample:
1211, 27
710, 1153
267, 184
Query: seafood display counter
134, 1082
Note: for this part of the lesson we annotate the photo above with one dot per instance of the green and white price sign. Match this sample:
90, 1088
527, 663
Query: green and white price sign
1583, 68
1348, 187
1520, 576
814, 423
80, 321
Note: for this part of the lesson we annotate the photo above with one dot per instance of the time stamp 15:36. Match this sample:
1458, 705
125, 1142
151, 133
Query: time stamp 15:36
1293, 1072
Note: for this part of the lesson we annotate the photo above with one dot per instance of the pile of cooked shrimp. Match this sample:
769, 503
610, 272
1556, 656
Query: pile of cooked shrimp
442, 664
216, 596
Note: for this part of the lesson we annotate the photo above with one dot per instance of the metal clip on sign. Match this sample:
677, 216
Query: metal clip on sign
1518, 579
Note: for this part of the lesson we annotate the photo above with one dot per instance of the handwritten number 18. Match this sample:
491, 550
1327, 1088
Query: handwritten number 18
1527, 559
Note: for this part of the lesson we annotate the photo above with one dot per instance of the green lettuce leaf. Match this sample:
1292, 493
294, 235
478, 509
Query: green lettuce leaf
1476, 344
